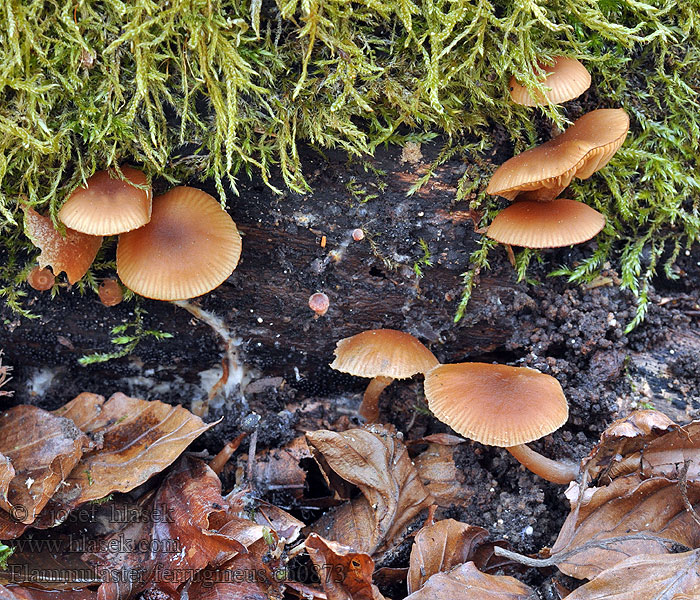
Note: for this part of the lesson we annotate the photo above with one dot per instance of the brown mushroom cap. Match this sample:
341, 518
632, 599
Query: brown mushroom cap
108, 205
189, 247
567, 79
496, 404
41, 279
533, 224
383, 353
584, 148
110, 292
73, 253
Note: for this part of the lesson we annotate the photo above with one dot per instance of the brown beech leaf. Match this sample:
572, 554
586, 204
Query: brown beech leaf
629, 516
466, 582
278, 469
174, 541
376, 461
440, 547
344, 573
72, 253
646, 577
82, 409
42, 449
624, 438
439, 474
139, 438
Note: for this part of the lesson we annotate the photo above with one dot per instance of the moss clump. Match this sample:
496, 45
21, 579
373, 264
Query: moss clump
209, 87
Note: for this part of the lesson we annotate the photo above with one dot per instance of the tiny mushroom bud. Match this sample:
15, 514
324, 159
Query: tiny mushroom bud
504, 406
41, 279
110, 292
358, 235
319, 303
383, 355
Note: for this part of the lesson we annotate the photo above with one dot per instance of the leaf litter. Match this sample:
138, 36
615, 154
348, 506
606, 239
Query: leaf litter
121, 510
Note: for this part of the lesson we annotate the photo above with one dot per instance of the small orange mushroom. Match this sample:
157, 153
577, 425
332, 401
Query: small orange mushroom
383, 355
110, 292
566, 79
189, 247
541, 173
108, 205
41, 279
553, 224
504, 406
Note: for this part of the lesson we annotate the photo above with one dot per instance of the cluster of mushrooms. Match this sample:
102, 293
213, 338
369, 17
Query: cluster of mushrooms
496, 405
172, 247
535, 178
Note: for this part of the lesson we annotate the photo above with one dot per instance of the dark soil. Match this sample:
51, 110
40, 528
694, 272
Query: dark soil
297, 245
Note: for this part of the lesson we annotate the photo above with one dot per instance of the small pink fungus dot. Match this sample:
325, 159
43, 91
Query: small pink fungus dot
319, 303
358, 235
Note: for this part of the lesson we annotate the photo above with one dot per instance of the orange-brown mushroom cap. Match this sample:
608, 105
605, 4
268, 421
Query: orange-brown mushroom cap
110, 292
566, 79
189, 247
73, 253
383, 353
41, 279
496, 405
584, 148
533, 224
107, 205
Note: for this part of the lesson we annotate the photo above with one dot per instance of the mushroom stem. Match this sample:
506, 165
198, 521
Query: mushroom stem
369, 408
556, 471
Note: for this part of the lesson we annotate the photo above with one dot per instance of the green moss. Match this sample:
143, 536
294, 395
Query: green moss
208, 88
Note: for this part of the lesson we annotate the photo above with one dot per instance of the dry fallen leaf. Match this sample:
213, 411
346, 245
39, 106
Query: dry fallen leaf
376, 461
13, 592
278, 469
646, 577
139, 438
623, 439
344, 573
466, 582
72, 253
629, 516
40, 449
440, 547
439, 474
174, 540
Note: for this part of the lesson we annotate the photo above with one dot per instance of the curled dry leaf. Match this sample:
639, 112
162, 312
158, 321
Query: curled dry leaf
622, 439
466, 582
344, 573
440, 547
170, 539
278, 469
629, 516
646, 577
39, 451
376, 461
138, 439
441, 477
73, 253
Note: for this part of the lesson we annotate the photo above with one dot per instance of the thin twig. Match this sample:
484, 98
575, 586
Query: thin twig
560, 557
683, 485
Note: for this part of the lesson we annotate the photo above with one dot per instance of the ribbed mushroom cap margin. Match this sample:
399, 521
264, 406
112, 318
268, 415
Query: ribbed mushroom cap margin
383, 353
108, 205
584, 148
190, 246
496, 405
567, 79
533, 224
